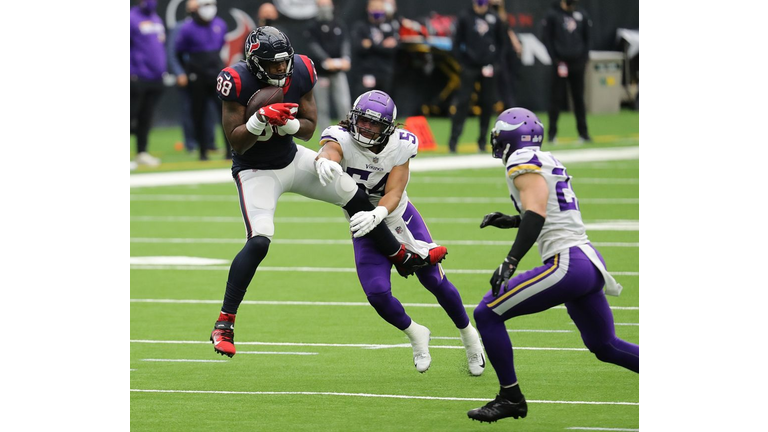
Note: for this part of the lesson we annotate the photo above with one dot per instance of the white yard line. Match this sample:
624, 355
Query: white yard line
322, 269
417, 199
601, 429
424, 164
339, 345
370, 395
185, 360
309, 303
324, 242
596, 225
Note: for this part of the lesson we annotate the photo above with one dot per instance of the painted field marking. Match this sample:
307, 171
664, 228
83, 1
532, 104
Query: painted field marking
601, 429
278, 352
416, 179
185, 360
418, 200
345, 242
370, 395
224, 175
310, 303
595, 225
321, 269
337, 345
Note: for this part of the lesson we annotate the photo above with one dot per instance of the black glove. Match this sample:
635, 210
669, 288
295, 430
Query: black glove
500, 220
502, 274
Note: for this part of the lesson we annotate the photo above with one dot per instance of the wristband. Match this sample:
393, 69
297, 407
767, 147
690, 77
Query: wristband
291, 126
254, 125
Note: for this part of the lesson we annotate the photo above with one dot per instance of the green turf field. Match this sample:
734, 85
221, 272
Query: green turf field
314, 356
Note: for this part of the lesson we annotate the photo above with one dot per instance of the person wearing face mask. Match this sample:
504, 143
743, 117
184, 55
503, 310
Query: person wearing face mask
148, 65
374, 43
267, 15
477, 45
567, 34
330, 48
198, 47
182, 81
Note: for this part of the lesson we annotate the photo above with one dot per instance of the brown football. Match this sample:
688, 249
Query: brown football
263, 97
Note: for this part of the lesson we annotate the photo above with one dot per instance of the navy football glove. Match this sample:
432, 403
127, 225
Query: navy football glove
502, 274
500, 220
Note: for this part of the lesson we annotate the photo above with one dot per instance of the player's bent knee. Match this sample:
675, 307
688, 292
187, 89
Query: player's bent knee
484, 315
345, 187
605, 352
257, 246
379, 299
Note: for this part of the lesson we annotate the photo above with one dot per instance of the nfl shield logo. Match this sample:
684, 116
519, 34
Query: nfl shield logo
375, 159
399, 230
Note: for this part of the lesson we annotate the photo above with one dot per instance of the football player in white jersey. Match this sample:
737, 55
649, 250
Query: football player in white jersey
369, 147
573, 273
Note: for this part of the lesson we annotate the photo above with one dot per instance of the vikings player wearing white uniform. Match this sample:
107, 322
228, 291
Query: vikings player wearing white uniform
573, 273
369, 148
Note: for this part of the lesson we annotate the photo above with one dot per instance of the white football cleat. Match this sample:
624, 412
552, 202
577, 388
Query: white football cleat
145, 158
419, 336
475, 357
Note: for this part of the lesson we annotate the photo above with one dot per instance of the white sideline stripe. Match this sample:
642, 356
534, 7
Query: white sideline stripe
321, 269
277, 352
600, 429
495, 180
185, 360
309, 303
598, 225
349, 242
417, 165
331, 345
373, 396
419, 199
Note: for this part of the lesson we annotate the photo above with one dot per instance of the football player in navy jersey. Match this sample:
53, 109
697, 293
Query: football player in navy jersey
266, 162
573, 271
371, 148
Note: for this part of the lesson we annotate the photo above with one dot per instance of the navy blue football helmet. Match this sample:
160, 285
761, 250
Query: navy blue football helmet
268, 44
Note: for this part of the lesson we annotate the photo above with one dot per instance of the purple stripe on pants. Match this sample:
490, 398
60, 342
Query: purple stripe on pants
569, 278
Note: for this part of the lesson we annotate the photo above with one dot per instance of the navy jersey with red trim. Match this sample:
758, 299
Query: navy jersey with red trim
237, 84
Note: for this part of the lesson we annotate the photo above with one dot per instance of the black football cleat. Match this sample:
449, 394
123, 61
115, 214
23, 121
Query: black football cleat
498, 409
407, 262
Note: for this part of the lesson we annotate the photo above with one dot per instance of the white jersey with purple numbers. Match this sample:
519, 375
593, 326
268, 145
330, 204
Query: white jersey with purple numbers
370, 169
563, 227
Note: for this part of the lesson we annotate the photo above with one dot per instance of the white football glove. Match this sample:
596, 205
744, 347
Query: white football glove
362, 223
327, 170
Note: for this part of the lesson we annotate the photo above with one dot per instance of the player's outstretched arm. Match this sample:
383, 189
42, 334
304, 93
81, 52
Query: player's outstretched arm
327, 161
533, 197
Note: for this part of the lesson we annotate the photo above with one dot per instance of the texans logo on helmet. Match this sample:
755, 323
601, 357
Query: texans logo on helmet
255, 46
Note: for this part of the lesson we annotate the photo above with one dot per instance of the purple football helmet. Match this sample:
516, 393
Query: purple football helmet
514, 129
371, 109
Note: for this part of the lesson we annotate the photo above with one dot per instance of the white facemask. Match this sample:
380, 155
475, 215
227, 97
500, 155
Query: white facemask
207, 12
